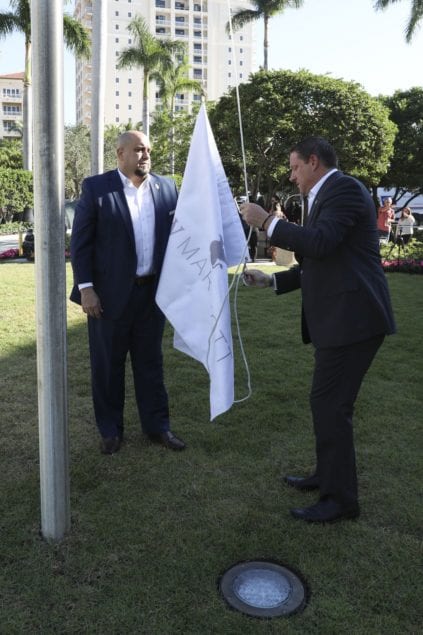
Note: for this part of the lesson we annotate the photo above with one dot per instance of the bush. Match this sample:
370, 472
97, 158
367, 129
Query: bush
14, 227
404, 260
16, 192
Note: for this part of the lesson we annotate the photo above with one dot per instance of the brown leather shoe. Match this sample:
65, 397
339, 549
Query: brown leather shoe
168, 439
303, 484
110, 445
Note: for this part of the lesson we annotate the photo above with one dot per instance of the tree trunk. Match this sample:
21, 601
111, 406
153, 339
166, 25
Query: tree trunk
27, 111
145, 106
99, 34
266, 43
172, 136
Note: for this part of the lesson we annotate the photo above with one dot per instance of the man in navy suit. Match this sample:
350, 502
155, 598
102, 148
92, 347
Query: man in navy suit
119, 237
346, 311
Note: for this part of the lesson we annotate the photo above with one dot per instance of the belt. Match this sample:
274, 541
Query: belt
141, 280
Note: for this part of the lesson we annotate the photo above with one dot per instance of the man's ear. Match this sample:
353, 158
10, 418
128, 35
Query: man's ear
314, 161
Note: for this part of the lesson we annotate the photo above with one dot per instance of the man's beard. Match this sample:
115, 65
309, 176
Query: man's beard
139, 171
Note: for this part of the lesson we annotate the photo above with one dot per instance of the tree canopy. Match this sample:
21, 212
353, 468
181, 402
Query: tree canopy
11, 153
279, 108
405, 171
15, 192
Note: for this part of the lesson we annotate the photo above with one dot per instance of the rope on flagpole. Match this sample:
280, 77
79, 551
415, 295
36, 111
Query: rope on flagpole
237, 275
238, 102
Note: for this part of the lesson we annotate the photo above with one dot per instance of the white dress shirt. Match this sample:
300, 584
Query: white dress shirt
141, 207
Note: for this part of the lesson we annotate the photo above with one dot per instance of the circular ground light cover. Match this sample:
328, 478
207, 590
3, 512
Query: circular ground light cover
261, 588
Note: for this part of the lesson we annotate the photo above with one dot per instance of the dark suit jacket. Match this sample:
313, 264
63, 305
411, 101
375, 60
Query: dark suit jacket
103, 244
344, 291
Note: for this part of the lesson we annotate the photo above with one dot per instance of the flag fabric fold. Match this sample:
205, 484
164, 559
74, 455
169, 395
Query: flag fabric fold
206, 238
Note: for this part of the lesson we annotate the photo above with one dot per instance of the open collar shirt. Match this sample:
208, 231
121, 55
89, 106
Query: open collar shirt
141, 208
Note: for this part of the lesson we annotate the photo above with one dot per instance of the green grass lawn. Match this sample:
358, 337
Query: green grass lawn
152, 530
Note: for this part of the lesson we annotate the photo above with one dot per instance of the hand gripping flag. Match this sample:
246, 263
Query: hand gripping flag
206, 238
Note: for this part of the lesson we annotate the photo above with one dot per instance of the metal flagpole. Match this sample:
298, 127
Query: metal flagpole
47, 39
99, 50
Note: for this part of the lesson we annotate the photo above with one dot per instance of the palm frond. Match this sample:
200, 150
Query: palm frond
76, 37
241, 18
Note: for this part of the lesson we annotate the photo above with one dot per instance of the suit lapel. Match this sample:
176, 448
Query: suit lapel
122, 205
155, 191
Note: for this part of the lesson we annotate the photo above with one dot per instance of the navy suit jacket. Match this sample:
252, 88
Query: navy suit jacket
344, 290
103, 244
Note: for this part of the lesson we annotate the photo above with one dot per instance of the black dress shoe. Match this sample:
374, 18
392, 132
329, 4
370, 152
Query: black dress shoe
326, 511
305, 484
110, 445
168, 439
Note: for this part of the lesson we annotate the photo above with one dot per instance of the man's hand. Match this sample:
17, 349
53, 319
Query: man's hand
90, 303
257, 278
253, 214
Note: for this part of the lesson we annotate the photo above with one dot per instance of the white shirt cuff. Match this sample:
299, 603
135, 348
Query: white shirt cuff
271, 227
85, 285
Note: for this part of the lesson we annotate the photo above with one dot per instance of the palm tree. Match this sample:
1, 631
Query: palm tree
76, 39
170, 82
99, 51
263, 9
151, 54
415, 16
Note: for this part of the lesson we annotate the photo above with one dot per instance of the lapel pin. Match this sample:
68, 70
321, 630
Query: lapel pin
157, 186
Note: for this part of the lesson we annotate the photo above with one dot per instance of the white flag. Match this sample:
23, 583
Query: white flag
206, 238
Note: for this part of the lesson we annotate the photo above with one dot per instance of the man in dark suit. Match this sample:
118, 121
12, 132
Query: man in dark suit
346, 311
119, 236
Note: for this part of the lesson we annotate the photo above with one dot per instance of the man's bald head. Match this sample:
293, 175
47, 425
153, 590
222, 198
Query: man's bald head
133, 153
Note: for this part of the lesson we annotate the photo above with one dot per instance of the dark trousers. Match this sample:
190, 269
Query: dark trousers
338, 374
138, 331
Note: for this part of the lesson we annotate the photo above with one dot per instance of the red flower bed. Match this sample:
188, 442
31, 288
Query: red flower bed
9, 253
403, 265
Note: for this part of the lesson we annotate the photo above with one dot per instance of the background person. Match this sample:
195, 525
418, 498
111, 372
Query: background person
276, 207
385, 217
405, 228
346, 311
119, 236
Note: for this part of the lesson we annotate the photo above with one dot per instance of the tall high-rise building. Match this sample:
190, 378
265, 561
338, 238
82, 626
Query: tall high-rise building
11, 100
216, 60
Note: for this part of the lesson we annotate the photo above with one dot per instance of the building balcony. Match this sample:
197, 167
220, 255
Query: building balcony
12, 116
15, 134
165, 23
12, 99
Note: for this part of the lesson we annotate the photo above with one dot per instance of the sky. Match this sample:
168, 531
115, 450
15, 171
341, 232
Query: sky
346, 39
